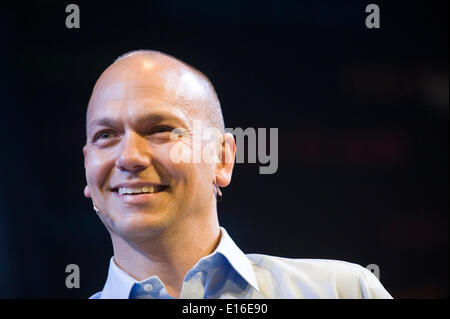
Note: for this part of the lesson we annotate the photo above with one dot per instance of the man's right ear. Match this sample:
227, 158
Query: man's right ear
86, 192
86, 188
84, 154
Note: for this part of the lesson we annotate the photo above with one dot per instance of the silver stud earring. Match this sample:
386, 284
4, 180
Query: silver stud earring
217, 191
96, 209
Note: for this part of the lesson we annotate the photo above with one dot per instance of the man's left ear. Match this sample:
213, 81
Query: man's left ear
224, 168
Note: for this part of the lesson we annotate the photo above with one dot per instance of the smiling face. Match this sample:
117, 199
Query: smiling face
130, 175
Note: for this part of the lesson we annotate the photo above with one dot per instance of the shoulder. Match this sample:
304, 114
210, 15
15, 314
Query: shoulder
97, 295
317, 278
303, 268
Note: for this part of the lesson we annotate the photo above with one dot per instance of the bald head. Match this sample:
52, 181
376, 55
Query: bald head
145, 74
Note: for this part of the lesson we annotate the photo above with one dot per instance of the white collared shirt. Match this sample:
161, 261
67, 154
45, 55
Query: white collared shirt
229, 273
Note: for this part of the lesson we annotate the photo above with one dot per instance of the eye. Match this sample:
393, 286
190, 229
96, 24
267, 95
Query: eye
164, 133
161, 129
103, 135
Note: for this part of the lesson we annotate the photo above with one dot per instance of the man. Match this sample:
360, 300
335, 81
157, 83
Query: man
146, 119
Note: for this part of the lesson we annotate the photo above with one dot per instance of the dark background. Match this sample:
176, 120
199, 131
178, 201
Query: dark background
362, 117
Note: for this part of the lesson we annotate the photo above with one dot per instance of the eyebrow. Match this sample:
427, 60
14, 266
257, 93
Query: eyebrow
145, 119
105, 121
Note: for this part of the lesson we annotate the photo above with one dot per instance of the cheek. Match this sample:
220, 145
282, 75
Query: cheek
184, 165
196, 179
98, 166
180, 152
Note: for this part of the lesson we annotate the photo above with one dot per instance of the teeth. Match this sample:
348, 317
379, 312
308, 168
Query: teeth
136, 190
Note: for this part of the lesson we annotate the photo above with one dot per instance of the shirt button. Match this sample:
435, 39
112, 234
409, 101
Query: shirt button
148, 287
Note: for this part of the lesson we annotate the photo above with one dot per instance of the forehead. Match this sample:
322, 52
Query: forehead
143, 85
137, 112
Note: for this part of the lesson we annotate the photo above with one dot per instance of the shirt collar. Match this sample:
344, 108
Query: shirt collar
119, 284
237, 259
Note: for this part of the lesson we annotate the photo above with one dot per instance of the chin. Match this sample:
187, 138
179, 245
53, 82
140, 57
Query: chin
140, 225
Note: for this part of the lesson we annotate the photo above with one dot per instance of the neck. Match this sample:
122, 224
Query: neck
170, 254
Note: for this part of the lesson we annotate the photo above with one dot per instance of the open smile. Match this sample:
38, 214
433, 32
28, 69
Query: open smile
151, 189
142, 193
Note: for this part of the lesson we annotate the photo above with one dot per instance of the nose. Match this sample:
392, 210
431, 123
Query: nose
135, 154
